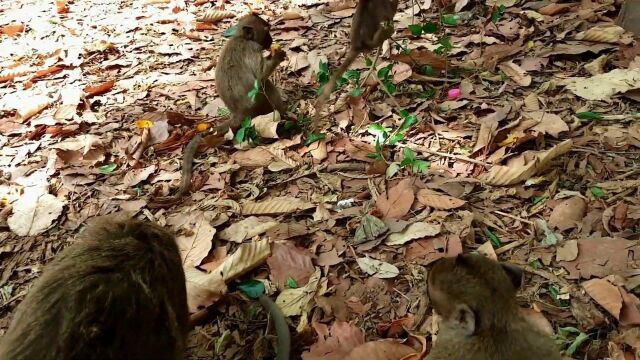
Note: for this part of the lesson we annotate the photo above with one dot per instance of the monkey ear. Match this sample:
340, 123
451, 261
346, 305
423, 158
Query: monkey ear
464, 319
247, 32
514, 273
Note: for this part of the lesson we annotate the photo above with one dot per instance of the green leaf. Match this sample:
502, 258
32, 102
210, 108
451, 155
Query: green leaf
589, 116
246, 122
323, 67
230, 31
428, 94
384, 72
252, 288
404, 113
420, 166
108, 169
352, 75
597, 192
368, 61
537, 199
396, 138
313, 137
581, 338
409, 154
322, 78
427, 70
255, 91
497, 13
495, 240
390, 87
430, 28
240, 135
450, 19
445, 42
250, 133
416, 29
341, 82
408, 121
356, 92
377, 130
223, 111
291, 283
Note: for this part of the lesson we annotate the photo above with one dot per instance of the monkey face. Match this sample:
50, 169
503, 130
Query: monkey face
254, 28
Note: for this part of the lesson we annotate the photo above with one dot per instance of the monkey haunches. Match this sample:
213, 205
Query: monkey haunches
118, 293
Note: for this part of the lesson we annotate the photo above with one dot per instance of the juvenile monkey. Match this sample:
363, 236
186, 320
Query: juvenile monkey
241, 64
372, 24
480, 317
118, 293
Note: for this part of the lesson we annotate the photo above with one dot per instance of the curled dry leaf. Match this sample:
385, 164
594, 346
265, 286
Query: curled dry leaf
195, 245
276, 205
426, 251
370, 228
377, 268
34, 212
267, 125
396, 203
601, 257
414, 231
246, 258
605, 294
256, 157
295, 302
98, 89
213, 16
136, 176
335, 342
288, 261
568, 213
607, 33
247, 228
203, 289
524, 166
568, 251
603, 86
385, 349
438, 201
516, 73
33, 106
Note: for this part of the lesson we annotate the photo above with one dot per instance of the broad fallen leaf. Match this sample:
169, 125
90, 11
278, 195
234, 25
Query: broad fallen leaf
601, 257
607, 33
136, 176
212, 16
369, 229
377, 268
568, 251
416, 230
294, 302
605, 294
247, 228
203, 289
288, 261
438, 201
396, 203
267, 125
195, 245
568, 213
516, 73
603, 86
34, 212
276, 205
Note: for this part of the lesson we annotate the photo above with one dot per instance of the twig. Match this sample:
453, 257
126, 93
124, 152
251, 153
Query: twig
511, 245
450, 156
513, 217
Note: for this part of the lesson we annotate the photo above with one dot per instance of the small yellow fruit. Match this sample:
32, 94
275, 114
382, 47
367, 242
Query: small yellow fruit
144, 124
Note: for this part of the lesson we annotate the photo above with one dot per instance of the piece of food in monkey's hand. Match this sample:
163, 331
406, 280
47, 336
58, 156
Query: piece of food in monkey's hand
241, 66
481, 320
118, 293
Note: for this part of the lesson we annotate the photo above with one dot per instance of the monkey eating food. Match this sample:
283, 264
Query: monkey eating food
118, 293
372, 24
475, 297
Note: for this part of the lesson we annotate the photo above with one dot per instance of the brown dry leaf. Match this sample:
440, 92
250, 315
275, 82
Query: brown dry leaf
525, 166
547, 123
335, 342
422, 57
487, 250
401, 72
568, 251
136, 176
386, 349
573, 48
246, 258
288, 261
377, 268
601, 257
493, 54
516, 73
247, 228
298, 301
195, 245
603, 86
425, 252
607, 33
212, 16
256, 157
568, 214
605, 294
33, 106
396, 203
34, 212
203, 289
267, 125
329, 258
630, 312
414, 231
438, 201
276, 205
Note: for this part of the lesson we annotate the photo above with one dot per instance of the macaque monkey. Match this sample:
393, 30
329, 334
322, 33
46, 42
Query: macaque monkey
372, 24
240, 67
476, 298
119, 293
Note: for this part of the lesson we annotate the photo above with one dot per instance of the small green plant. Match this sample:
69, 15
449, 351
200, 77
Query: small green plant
252, 288
410, 162
445, 45
253, 93
572, 337
247, 132
494, 238
314, 137
426, 28
498, 13
385, 76
450, 19
384, 136
292, 283
589, 116
108, 169
597, 192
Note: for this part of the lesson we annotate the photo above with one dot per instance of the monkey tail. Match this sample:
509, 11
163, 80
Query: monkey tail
187, 165
282, 328
328, 87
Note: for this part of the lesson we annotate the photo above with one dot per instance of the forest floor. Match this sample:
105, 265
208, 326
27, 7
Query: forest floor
508, 129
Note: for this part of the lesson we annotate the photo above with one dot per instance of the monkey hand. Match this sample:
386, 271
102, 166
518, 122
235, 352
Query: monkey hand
278, 55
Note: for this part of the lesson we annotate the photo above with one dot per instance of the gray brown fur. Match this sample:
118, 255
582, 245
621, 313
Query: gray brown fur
241, 63
495, 328
118, 293
370, 27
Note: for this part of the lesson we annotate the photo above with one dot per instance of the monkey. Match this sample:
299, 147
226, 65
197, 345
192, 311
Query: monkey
372, 24
118, 293
242, 66
476, 298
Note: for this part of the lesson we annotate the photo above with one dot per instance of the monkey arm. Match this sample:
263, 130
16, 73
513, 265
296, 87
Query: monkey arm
269, 65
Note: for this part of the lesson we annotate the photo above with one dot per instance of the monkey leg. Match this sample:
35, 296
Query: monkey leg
268, 100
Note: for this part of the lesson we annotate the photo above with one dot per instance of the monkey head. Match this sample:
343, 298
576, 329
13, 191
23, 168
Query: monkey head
471, 292
254, 28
